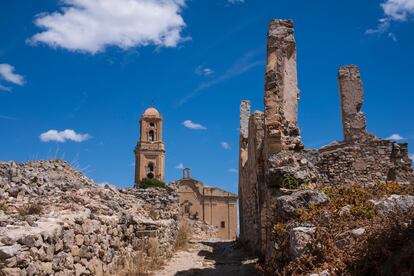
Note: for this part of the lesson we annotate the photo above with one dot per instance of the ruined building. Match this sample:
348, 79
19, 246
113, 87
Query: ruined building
209, 204
198, 201
272, 155
150, 150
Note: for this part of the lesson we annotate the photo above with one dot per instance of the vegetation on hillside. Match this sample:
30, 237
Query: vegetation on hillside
385, 248
152, 183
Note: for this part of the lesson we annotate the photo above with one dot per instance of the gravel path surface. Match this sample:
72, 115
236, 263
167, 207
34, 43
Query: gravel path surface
210, 258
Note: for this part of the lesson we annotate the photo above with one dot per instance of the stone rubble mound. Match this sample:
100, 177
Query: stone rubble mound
56, 221
201, 230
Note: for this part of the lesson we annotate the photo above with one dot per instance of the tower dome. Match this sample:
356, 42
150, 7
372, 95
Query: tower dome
151, 112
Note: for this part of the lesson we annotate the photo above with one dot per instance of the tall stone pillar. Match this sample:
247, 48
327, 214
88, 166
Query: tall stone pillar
281, 89
244, 130
352, 98
243, 148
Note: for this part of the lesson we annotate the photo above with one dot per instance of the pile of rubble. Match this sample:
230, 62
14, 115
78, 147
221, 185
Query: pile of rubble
201, 230
54, 220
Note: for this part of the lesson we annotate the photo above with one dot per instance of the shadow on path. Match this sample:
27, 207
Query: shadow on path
223, 258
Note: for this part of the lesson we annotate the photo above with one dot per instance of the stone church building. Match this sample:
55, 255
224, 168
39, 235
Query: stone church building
198, 201
209, 204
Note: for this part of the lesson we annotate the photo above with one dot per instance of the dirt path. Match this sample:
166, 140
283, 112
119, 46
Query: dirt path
210, 258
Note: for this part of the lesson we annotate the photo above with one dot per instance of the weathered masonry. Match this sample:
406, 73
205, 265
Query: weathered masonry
209, 204
272, 154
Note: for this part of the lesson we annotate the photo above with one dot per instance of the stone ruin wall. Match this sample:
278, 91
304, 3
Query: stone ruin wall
83, 228
271, 146
362, 158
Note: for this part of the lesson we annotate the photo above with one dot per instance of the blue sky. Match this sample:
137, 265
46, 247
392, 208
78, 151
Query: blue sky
91, 67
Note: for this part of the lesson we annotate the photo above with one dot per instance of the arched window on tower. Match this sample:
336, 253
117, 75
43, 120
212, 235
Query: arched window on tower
150, 170
151, 136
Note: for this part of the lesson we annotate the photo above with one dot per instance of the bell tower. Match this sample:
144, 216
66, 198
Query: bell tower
150, 150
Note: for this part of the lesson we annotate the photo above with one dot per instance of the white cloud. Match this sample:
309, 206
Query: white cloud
232, 170
393, 37
189, 124
383, 26
62, 136
249, 61
225, 145
395, 137
7, 72
5, 88
7, 117
235, 1
399, 10
203, 71
394, 10
411, 156
180, 166
92, 25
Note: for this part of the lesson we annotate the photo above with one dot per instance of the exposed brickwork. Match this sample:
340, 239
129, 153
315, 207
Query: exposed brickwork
364, 163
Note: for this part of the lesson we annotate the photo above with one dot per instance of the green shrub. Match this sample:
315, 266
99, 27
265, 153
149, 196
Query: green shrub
152, 183
362, 211
289, 182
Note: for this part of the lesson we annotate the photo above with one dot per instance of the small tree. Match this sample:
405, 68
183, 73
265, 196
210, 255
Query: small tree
151, 183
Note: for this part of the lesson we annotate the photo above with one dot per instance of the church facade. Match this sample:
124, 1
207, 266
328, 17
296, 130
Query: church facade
209, 204
197, 201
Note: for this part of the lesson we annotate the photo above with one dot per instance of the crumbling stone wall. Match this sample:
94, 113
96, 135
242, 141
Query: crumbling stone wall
366, 162
55, 221
273, 160
252, 179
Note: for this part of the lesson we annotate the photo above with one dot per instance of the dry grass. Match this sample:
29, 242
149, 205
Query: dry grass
372, 254
183, 235
3, 207
146, 262
141, 266
33, 208
154, 253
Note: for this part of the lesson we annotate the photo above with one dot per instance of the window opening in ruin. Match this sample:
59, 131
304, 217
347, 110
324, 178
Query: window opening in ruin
152, 125
187, 209
223, 224
151, 136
